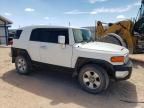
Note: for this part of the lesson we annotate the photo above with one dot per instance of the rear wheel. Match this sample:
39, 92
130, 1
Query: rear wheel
111, 39
93, 79
22, 65
115, 39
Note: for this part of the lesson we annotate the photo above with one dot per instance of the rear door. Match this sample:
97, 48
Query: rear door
51, 52
34, 45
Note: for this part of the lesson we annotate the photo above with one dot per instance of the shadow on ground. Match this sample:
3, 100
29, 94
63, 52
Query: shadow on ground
62, 88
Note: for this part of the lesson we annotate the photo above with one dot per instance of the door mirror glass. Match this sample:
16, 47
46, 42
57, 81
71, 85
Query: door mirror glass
61, 39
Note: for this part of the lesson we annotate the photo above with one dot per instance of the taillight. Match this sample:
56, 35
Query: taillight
11, 42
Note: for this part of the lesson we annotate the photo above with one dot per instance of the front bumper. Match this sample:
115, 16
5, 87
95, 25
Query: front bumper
123, 72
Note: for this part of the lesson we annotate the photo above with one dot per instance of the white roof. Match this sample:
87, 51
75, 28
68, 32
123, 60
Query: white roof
48, 26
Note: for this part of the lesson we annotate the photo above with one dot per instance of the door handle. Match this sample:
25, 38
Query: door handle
43, 46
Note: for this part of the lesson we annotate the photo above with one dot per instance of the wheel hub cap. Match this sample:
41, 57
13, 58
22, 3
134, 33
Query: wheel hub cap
21, 65
91, 80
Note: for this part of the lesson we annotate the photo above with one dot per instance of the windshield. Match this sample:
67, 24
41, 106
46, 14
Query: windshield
82, 35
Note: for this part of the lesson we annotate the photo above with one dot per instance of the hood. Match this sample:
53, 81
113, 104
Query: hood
101, 46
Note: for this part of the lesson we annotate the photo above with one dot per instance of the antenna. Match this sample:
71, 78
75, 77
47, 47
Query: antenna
96, 37
69, 24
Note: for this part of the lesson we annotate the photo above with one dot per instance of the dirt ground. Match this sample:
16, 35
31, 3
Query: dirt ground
47, 89
139, 57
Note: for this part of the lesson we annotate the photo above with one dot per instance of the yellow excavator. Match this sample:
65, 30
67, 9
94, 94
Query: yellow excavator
126, 33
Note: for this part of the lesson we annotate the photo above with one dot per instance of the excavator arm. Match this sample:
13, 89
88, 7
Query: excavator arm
139, 25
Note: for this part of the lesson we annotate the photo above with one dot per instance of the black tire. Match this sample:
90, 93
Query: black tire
111, 39
23, 65
102, 81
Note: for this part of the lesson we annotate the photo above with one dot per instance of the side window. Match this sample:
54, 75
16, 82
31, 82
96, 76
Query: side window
35, 35
51, 35
48, 35
17, 34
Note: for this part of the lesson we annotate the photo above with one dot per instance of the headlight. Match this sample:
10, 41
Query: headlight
126, 58
118, 59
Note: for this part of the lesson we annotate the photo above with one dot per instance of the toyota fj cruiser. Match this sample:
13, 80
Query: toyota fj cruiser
94, 63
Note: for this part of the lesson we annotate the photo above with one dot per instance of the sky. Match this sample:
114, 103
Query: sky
79, 13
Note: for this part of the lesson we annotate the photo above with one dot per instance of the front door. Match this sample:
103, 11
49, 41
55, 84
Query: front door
51, 52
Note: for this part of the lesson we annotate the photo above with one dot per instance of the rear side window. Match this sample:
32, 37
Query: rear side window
17, 34
49, 35
35, 35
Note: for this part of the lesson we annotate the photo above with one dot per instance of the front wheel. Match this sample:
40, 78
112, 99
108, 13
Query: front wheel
93, 79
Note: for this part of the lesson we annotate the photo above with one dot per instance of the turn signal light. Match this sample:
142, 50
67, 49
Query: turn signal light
117, 59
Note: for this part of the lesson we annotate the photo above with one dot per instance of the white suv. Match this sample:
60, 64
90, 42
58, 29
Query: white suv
94, 63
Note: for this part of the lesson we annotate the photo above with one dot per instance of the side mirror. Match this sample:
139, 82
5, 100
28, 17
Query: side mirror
61, 39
